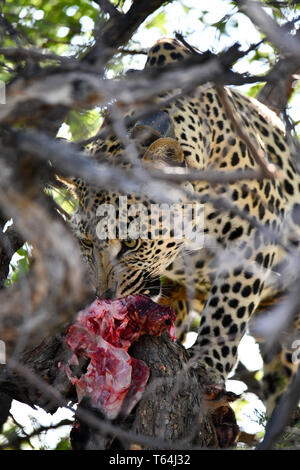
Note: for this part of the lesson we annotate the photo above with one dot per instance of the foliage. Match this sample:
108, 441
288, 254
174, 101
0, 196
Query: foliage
64, 444
19, 264
159, 21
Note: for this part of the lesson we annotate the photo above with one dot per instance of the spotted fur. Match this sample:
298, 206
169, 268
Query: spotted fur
240, 264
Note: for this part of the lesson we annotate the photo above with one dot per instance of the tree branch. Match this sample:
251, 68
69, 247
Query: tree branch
289, 46
282, 414
185, 420
119, 29
109, 8
267, 168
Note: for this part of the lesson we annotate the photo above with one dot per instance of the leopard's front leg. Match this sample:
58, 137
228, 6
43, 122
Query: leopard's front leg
236, 291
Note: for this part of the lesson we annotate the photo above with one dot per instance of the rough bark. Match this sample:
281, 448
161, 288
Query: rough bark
173, 413
172, 408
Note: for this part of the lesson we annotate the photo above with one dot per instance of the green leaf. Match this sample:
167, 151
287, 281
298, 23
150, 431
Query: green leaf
186, 9
83, 124
20, 266
255, 89
64, 444
64, 199
221, 26
22, 252
159, 21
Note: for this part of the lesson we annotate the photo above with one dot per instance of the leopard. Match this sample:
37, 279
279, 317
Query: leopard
247, 223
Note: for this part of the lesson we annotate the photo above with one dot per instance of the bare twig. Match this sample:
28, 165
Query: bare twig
282, 414
21, 53
80, 89
288, 45
268, 169
18, 440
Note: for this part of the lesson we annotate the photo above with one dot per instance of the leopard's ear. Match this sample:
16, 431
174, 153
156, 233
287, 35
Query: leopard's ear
164, 151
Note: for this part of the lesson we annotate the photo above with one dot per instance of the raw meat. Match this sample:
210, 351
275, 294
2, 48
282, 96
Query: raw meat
103, 333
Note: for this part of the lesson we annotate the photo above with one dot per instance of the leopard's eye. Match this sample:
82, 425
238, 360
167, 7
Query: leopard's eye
130, 244
86, 243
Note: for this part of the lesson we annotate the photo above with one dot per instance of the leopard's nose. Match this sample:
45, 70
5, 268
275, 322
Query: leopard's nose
109, 294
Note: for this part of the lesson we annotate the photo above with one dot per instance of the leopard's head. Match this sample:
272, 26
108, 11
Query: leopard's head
127, 239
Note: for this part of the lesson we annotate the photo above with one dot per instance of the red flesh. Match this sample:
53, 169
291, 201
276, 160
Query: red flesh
104, 331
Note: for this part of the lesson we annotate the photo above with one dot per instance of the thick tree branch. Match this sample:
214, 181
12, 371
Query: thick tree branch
49, 295
115, 33
278, 90
182, 413
109, 8
119, 29
29, 101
